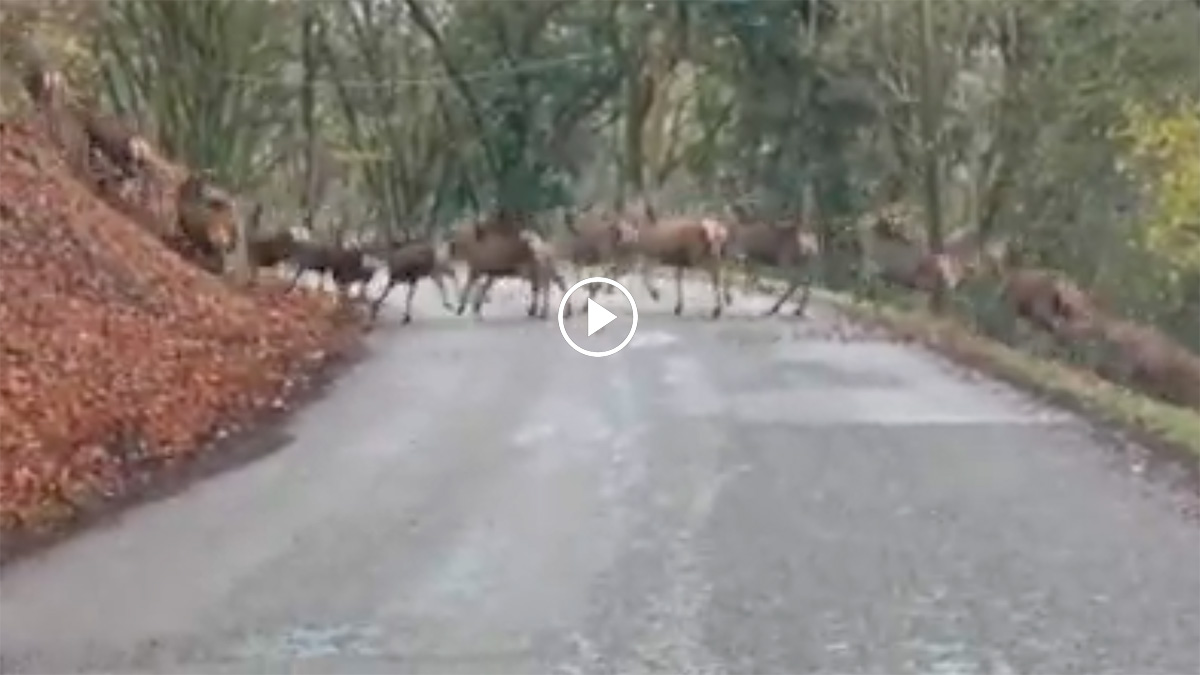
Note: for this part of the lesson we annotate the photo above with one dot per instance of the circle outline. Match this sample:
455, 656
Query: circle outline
562, 305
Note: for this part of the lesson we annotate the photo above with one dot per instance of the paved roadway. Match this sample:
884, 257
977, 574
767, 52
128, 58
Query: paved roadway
733, 497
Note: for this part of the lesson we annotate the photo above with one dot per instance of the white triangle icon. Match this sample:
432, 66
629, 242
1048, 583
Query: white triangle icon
598, 317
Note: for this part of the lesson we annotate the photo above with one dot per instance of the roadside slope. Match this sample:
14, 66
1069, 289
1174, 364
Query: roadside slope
117, 356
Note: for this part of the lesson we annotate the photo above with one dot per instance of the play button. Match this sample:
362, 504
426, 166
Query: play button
596, 342
598, 317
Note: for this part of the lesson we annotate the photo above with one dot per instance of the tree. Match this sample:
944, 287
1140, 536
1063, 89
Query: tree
202, 78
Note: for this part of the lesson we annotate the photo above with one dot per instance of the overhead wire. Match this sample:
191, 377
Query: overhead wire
530, 66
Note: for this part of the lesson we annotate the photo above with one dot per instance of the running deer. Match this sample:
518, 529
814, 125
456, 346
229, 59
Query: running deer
491, 252
596, 238
787, 247
410, 262
679, 242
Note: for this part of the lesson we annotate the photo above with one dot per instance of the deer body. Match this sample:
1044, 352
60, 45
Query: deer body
492, 253
205, 217
680, 243
789, 248
347, 266
409, 263
597, 241
271, 250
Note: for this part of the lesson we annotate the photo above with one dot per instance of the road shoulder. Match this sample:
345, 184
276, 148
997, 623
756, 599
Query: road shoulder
1169, 431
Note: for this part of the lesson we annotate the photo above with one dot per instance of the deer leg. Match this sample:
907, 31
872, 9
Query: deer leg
295, 278
546, 294
342, 293
535, 287
749, 277
678, 291
793, 284
382, 296
562, 288
609, 289
592, 290
477, 309
714, 271
645, 273
567, 309
727, 282
805, 294
472, 278
614, 272
412, 290
454, 285
578, 270
441, 286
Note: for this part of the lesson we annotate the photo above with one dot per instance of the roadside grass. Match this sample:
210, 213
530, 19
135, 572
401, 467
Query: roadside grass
1149, 421
1077, 389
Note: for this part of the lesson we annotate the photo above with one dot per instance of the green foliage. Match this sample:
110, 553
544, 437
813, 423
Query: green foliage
203, 77
1164, 147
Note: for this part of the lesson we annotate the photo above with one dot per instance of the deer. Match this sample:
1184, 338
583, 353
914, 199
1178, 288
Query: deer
267, 250
679, 242
44, 83
1049, 301
47, 89
788, 247
348, 265
596, 240
409, 263
1144, 358
896, 251
1118, 349
205, 216
495, 250
128, 152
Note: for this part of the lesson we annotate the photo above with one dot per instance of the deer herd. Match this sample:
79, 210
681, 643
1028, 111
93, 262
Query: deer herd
634, 239
505, 246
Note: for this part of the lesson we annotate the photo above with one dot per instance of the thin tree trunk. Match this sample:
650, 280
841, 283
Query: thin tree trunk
930, 104
308, 114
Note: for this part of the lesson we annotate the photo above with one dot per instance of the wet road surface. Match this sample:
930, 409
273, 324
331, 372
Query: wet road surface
743, 496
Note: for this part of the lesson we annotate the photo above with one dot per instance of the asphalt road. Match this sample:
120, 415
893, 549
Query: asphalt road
741, 496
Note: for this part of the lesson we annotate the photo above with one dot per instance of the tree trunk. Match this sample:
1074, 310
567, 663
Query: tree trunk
308, 114
930, 108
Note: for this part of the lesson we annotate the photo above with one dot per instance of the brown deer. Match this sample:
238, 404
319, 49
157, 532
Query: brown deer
596, 239
264, 251
409, 263
1049, 301
44, 83
679, 242
269, 250
895, 249
1145, 359
1134, 355
205, 216
788, 247
127, 152
347, 265
47, 89
491, 253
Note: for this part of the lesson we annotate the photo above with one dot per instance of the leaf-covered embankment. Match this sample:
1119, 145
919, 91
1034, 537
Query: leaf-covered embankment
115, 354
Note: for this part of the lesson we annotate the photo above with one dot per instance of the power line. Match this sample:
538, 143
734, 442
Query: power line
436, 80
